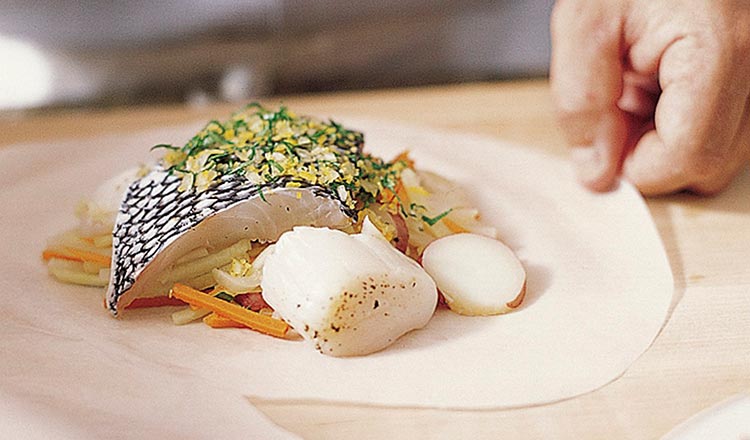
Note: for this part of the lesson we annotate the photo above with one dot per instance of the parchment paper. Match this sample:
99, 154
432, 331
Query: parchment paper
729, 419
599, 287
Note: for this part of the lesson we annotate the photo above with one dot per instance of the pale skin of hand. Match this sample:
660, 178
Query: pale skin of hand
655, 91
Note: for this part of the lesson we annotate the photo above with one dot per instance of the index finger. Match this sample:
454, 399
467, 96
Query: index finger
586, 75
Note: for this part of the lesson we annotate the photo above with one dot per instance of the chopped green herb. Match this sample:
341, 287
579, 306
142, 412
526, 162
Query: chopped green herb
165, 146
224, 296
432, 221
270, 146
262, 196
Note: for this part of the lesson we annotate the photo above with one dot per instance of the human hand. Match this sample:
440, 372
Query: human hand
655, 91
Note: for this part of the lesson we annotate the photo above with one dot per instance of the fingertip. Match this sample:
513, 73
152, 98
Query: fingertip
594, 169
602, 184
598, 166
651, 168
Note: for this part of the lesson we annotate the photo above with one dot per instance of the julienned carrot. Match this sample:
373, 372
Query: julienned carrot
73, 254
401, 192
104, 260
49, 254
454, 227
89, 240
217, 321
388, 195
404, 157
154, 301
256, 321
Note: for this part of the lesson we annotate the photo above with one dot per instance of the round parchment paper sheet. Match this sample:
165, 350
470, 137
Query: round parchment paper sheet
599, 288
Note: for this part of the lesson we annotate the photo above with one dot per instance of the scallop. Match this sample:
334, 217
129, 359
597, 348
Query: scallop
348, 295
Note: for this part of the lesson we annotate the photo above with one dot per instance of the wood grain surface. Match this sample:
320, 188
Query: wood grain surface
701, 357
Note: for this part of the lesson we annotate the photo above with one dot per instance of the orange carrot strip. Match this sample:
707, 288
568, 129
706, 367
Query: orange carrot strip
49, 254
74, 254
154, 301
387, 195
404, 156
401, 191
217, 321
256, 321
455, 228
102, 260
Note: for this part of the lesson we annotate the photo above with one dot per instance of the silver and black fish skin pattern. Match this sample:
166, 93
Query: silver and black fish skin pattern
154, 213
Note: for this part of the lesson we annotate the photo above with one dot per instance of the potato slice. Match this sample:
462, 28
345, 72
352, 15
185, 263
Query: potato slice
477, 275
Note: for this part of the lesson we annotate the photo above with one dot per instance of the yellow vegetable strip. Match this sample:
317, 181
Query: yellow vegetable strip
103, 241
201, 281
205, 264
188, 315
73, 240
90, 267
76, 277
192, 255
453, 226
253, 320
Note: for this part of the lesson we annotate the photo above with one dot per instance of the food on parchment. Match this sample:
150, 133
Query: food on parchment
348, 294
198, 228
477, 275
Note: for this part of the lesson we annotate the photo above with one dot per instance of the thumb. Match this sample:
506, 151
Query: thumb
586, 75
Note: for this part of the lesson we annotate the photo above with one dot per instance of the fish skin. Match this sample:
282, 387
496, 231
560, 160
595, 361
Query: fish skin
154, 213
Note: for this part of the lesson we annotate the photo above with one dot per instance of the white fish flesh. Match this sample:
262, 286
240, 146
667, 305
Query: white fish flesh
157, 224
348, 294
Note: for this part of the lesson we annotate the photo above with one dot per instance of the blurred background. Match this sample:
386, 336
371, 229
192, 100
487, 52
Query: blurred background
96, 53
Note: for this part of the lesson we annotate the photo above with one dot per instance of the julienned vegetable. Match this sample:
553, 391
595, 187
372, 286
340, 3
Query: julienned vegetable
217, 321
239, 314
73, 254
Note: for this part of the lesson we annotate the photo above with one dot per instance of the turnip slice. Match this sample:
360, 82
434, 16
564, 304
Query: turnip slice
477, 275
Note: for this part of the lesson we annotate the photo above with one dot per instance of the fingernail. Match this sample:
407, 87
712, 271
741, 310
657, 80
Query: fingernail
589, 164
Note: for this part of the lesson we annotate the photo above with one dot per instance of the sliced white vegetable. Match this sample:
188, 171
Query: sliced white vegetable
72, 239
201, 281
188, 315
247, 283
192, 255
477, 275
250, 283
205, 264
72, 272
104, 274
59, 263
103, 241
348, 294
90, 267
